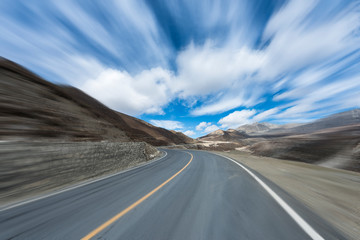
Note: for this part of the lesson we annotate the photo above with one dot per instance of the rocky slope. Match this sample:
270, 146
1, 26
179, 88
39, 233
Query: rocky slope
346, 118
32, 108
31, 168
136, 129
333, 141
184, 137
333, 147
256, 127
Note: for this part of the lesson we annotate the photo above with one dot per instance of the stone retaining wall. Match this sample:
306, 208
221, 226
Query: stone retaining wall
27, 169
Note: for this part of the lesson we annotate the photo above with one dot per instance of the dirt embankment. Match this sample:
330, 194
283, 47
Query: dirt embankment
331, 193
29, 169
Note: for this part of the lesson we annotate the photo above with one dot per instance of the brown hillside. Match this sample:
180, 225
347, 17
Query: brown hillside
33, 108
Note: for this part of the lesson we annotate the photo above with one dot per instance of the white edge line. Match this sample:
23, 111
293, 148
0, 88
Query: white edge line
79, 185
297, 218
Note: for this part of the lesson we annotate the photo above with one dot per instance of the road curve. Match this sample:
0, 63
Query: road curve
185, 195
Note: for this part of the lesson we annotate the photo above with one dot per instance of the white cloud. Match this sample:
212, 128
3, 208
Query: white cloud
264, 115
146, 92
140, 25
237, 118
168, 124
189, 133
232, 100
206, 127
309, 59
208, 69
210, 129
86, 24
224, 71
137, 23
292, 13
295, 44
202, 125
313, 102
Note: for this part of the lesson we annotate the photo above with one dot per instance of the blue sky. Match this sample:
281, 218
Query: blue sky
194, 66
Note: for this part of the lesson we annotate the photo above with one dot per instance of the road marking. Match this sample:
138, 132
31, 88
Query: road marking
7, 207
132, 206
296, 217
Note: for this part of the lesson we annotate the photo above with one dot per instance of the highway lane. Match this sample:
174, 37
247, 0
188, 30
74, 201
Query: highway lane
204, 197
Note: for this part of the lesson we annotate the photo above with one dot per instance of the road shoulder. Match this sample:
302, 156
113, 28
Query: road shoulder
330, 193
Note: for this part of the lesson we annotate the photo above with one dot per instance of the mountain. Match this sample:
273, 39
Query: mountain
332, 147
134, 128
185, 138
333, 141
230, 135
33, 108
336, 120
346, 118
256, 127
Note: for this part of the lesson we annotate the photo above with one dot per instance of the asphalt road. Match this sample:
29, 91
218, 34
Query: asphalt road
185, 195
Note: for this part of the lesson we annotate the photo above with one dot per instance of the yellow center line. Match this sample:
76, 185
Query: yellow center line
132, 206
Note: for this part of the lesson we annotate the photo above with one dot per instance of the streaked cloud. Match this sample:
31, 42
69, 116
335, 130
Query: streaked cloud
146, 92
287, 60
202, 125
210, 129
265, 114
189, 133
237, 118
168, 124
